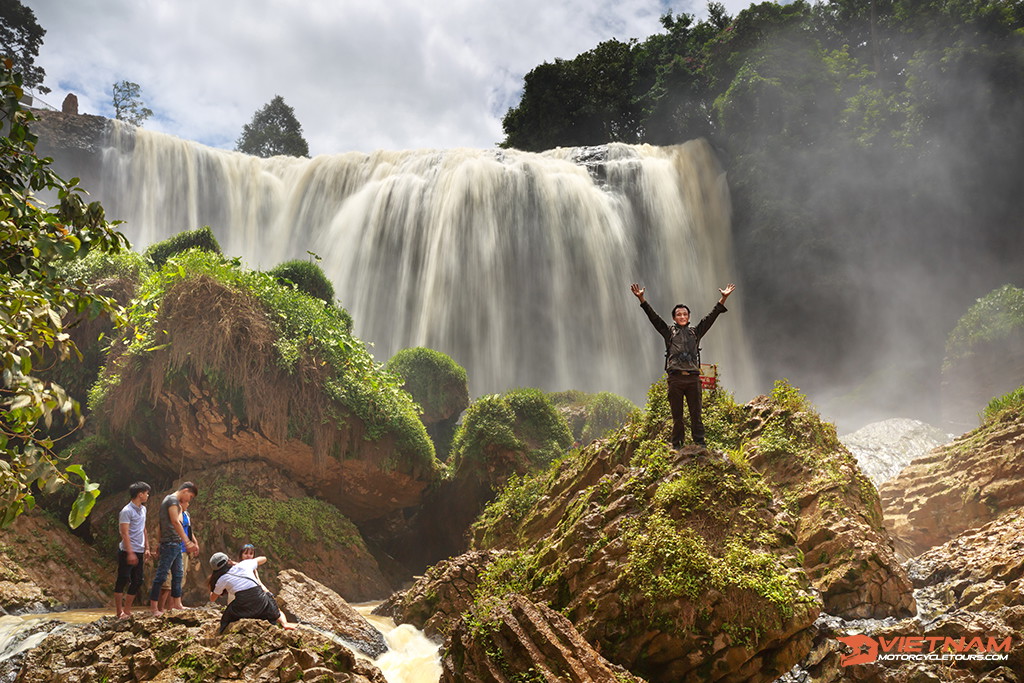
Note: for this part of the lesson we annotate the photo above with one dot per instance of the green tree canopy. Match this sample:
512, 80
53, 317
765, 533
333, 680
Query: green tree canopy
273, 131
128, 104
20, 38
35, 239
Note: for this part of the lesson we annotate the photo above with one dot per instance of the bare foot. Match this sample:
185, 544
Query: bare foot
123, 615
288, 627
157, 613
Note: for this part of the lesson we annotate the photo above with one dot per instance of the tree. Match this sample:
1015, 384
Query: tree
128, 103
34, 240
20, 38
274, 130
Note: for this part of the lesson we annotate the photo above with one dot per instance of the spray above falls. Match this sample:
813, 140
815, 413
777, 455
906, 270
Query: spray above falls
515, 264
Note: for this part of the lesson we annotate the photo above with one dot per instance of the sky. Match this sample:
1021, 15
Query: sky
361, 75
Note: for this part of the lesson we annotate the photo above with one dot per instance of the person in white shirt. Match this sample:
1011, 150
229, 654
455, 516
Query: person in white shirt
133, 550
251, 600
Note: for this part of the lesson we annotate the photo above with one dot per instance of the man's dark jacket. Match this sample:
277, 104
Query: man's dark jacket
682, 343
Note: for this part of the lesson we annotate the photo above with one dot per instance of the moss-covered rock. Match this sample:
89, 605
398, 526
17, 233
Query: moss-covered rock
439, 385
226, 362
200, 238
591, 416
984, 355
307, 277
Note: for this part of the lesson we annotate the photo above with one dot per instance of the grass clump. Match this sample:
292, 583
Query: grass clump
434, 380
522, 420
306, 277
1013, 400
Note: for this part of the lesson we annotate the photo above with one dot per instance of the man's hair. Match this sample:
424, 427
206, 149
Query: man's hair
190, 486
137, 488
678, 306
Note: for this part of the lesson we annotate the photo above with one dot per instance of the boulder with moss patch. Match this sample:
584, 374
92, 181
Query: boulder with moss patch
226, 364
591, 416
440, 387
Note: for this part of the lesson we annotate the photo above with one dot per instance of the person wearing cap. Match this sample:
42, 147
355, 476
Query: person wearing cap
171, 530
251, 600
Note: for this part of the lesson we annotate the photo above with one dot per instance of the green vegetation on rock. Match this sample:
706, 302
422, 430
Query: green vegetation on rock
200, 238
521, 420
306, 276
1012, 401
996, 316
592, 416
309, 344
275, 526
434, 380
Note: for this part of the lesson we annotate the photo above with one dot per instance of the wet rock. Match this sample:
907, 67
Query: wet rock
962, 485
184, 646
44, 567
524, 639
312, 603
884, 448
436, 601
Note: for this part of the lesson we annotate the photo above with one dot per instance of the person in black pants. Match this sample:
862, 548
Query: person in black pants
682, 360
133, 550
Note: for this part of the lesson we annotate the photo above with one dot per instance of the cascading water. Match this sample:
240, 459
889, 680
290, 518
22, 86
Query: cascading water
515, 264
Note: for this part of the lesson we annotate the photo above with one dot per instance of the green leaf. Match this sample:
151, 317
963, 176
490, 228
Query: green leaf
83, 506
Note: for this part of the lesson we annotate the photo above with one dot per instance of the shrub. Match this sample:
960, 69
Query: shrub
1014, 400
434, 380
994, 317
200, 238
307, 277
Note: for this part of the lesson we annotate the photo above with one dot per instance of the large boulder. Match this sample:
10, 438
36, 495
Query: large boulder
185, 646
847, 552
310, 602
962, 485
674, 565
225, 374
522, 638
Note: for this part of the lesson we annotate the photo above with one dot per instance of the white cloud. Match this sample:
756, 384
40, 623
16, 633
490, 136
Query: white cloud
385, 74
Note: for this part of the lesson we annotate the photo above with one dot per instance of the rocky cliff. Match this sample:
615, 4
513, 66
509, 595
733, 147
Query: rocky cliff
962, 485
677, 565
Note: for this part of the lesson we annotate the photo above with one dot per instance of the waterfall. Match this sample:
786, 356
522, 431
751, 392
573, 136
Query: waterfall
515, 264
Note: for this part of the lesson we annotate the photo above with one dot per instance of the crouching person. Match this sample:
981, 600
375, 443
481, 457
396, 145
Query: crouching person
250, 600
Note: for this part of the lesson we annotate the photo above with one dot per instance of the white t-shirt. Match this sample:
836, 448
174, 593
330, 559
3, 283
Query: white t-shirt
239, 578
135, 517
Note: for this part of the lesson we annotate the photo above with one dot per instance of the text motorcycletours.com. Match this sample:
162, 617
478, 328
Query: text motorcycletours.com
924, 649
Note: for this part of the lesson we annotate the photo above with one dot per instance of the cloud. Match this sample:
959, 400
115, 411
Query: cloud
389, 74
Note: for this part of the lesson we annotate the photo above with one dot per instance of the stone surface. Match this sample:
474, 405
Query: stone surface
962, 485
44, 567
310, 602
970, 587
524, 640
884, 448
435, 602
184, 646
848, 554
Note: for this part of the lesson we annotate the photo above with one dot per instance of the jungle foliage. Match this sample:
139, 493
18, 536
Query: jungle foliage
35, 239
873, 153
